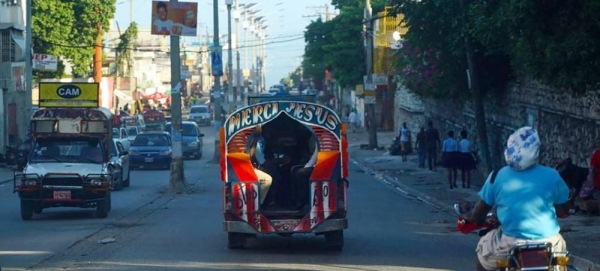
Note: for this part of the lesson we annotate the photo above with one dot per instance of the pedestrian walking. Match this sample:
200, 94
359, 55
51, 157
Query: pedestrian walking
353, 121
404, 135
449, 155
421, 145
466, 159
433, 143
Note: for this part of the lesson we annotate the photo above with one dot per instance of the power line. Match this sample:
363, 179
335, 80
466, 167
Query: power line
158, 50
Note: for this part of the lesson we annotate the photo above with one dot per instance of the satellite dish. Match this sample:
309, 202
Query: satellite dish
396, 35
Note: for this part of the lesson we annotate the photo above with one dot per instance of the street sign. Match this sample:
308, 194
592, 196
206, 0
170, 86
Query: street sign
216, 58
380, 79
71, 94
185, 72
45, 62
369, 90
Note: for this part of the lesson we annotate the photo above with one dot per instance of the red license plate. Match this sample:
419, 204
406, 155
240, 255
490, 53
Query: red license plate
533, 258
62, 194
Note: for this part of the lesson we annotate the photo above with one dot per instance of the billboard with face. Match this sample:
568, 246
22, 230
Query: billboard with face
174, 19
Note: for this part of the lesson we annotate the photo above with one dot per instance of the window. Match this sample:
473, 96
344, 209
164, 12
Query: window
149, 140
7, 47
61, 150
132, 131
200, 109
187, 129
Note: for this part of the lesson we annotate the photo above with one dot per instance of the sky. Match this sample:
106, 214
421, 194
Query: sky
286, 20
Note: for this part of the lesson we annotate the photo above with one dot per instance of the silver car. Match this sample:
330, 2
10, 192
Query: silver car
119, 159
200, 115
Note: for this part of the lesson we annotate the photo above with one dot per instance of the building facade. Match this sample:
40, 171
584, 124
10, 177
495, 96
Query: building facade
12, 73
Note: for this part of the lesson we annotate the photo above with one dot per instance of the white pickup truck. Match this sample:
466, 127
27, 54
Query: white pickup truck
121, 135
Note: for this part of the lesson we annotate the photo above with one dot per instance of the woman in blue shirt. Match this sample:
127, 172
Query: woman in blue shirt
449, 158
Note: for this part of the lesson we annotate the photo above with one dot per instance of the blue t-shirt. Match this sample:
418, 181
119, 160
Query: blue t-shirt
525, 201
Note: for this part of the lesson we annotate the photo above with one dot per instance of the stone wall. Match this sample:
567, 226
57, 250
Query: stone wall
568, 124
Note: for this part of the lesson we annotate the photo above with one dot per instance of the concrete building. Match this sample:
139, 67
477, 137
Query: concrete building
13, 117
151, 68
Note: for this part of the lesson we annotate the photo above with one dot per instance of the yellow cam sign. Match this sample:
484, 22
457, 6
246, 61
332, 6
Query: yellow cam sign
69, 95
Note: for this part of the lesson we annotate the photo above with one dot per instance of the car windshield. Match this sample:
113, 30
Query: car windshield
67, 150
188, 129
132, 131
200, 109
115, 132
151, 140
154, 126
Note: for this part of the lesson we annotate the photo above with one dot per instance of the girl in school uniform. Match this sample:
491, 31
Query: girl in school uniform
449, 158
466, 159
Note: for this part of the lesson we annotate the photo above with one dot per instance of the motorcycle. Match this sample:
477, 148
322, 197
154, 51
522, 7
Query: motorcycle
527, 256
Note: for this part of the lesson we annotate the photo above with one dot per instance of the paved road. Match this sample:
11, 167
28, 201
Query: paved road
388, 231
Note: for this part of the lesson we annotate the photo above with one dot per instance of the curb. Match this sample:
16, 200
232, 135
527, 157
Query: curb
579, 263
584, 264
6, 181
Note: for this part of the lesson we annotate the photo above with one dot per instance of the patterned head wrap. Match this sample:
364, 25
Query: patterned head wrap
522, 148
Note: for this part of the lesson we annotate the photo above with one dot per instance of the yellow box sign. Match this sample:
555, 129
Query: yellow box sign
85, 95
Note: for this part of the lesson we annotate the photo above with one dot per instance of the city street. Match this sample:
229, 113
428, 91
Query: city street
153, 231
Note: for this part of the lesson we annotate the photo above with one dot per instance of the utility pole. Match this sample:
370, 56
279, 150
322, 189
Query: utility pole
473, 78
238, 87
98, 59
130, 11
229, 58
177, 182
28, 69
319, 12
115, 99
217, 89
369, 44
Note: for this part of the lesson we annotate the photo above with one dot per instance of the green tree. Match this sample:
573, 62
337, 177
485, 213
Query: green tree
69, 29
338, 43
556, 42
437, 50
126, 45
293, 78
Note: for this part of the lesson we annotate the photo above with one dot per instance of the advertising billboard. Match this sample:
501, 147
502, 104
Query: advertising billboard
45, 62
82, 95
174, 18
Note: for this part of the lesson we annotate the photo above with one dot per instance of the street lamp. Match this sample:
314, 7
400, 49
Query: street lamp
229, 3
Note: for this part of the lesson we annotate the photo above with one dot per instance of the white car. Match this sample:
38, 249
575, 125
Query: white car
200, 115
121, 135
132, 132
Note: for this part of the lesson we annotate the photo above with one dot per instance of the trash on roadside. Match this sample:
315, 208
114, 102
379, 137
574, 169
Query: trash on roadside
107, 240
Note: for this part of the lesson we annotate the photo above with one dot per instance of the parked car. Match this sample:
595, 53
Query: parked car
122, 136
200, 115
151, 150
191, 137
120, 161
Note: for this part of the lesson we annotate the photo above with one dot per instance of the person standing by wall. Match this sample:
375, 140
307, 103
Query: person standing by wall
352, 120
433, 143
404, 134
449, 155
466, 159
421, 145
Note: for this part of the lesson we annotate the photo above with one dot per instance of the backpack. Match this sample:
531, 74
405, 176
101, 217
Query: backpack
494, 174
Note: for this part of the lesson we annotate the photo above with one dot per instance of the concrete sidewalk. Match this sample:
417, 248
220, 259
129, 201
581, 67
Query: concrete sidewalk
6, 174
582, 232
